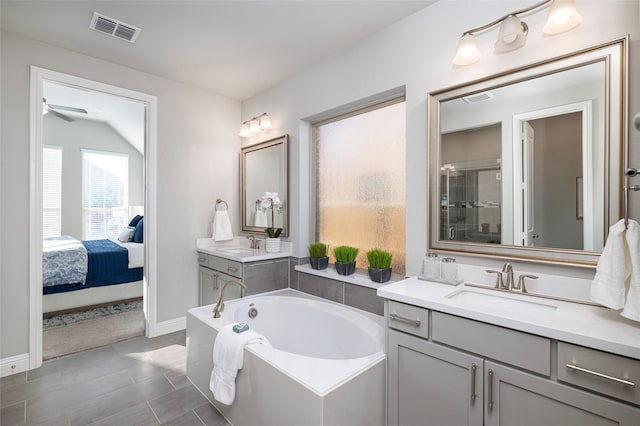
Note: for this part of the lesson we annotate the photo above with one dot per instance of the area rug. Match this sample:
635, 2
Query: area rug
74, 332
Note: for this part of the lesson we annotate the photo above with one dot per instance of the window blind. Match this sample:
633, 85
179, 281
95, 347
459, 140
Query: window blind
51, 191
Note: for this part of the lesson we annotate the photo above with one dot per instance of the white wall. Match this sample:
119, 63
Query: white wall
416, 53
197, 155
75, 136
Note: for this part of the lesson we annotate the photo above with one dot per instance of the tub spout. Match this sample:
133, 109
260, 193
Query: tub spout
220, 305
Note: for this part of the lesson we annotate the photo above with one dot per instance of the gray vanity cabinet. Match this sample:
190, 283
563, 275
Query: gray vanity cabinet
430, 384
258, 276
449, 370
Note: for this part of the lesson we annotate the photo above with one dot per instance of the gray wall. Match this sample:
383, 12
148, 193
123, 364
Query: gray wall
197, 161
416, 53
87, 134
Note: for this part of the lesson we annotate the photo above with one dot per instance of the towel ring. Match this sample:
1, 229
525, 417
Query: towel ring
219, 202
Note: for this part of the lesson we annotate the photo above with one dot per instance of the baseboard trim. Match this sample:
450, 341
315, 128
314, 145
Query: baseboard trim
170, 326
14, 364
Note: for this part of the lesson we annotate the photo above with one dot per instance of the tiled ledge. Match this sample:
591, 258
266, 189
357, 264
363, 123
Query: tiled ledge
360, 277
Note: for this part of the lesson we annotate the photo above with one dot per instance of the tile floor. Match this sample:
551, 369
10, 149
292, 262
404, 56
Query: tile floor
135, 382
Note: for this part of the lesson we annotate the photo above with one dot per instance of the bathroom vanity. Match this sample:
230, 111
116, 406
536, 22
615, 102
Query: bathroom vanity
465, 355
234, 260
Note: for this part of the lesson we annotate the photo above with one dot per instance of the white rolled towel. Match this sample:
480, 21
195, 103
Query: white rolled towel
221, 227
614, 268
632, 305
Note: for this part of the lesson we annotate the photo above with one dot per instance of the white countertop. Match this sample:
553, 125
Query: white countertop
238, 249
592, 326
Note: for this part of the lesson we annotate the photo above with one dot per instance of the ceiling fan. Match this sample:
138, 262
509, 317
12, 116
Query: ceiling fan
46, 108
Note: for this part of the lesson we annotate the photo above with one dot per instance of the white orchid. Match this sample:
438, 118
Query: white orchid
271, 201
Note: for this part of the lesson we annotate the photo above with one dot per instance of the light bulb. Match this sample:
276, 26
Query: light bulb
244, 130
265, 122
512, 35
563, 16
467, 52
254, 126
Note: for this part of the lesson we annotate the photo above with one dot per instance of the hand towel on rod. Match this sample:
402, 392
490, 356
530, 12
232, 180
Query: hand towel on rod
632, 305
221, 226
261, 219
614, 268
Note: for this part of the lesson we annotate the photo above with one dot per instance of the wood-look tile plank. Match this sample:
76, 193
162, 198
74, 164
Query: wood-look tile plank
210, 416
14, 379
119, 400
138, 415
176, 403
187, 419
13, 414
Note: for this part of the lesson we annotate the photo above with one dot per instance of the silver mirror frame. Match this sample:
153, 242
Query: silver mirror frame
281, 140
614, 55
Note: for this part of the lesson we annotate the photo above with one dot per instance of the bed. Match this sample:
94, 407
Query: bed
82, 273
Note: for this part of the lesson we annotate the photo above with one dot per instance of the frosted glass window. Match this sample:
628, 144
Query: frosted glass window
360, 182
105, 186
51, 191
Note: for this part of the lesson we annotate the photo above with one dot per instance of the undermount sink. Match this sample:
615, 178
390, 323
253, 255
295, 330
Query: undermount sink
238, 250
504, 302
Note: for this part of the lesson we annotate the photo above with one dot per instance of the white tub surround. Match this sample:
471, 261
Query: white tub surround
238, 249
326, 366
591, 326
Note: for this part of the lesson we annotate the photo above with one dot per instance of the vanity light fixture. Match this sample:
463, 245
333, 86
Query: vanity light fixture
255, 125
512, 35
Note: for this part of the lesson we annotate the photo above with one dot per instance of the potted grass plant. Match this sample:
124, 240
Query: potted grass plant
379, 265
318, 255
345, 259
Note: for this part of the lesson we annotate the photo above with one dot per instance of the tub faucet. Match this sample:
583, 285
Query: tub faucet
220, 305
255, 243
509, 270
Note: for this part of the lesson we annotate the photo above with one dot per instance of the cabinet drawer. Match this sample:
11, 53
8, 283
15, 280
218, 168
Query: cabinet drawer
522, 350
221, 264
602, 372
408, 318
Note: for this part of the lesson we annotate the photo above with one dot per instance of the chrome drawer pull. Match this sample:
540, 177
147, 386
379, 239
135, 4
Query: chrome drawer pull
232, 269
413, 322
490, 390
604, 376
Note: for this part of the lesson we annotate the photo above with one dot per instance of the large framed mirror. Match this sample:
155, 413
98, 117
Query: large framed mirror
528, 164
265, 168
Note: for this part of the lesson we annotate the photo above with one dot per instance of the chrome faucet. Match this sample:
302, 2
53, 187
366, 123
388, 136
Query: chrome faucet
220, 305
508, 269
255, 243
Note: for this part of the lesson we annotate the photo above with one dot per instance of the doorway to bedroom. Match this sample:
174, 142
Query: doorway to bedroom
93, 144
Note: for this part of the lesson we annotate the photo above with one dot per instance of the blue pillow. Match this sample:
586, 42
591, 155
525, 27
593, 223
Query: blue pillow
138, 235
135, 221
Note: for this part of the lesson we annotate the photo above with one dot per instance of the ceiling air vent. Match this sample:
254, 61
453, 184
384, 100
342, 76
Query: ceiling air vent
114, 28
478, 97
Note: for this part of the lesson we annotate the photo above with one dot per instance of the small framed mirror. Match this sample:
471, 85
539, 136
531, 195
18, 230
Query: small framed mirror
265, 168
529, 163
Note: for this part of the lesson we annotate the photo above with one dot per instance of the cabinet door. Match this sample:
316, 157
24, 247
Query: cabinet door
209, 286
431, 384
232, 291
515, 398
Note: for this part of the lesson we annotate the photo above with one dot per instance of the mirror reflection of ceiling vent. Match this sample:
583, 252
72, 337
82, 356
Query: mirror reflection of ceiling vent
478, 97
114, 28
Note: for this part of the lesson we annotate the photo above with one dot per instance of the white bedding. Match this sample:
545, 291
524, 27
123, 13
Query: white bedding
136, 253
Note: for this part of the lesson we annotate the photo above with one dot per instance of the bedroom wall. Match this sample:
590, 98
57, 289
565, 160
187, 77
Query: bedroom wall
197, 155
94, 135
416, 53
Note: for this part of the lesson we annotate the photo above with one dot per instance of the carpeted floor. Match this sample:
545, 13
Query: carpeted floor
70, 333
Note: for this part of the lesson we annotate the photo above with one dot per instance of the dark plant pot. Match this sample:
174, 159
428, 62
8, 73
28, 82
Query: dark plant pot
319, 262
345, 268
380, 275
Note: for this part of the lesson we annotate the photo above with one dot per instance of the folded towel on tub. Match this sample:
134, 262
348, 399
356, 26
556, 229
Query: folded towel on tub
228, 358
221, 227
632, 305
614, 268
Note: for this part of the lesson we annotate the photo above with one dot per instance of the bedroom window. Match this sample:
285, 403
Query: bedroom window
105, 187
359, 180
51, 191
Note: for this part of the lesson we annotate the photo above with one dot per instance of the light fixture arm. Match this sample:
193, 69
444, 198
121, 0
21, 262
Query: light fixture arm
257, 117
499, 20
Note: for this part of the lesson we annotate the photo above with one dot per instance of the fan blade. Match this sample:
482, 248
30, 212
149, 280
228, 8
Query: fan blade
66, 108
64, 117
